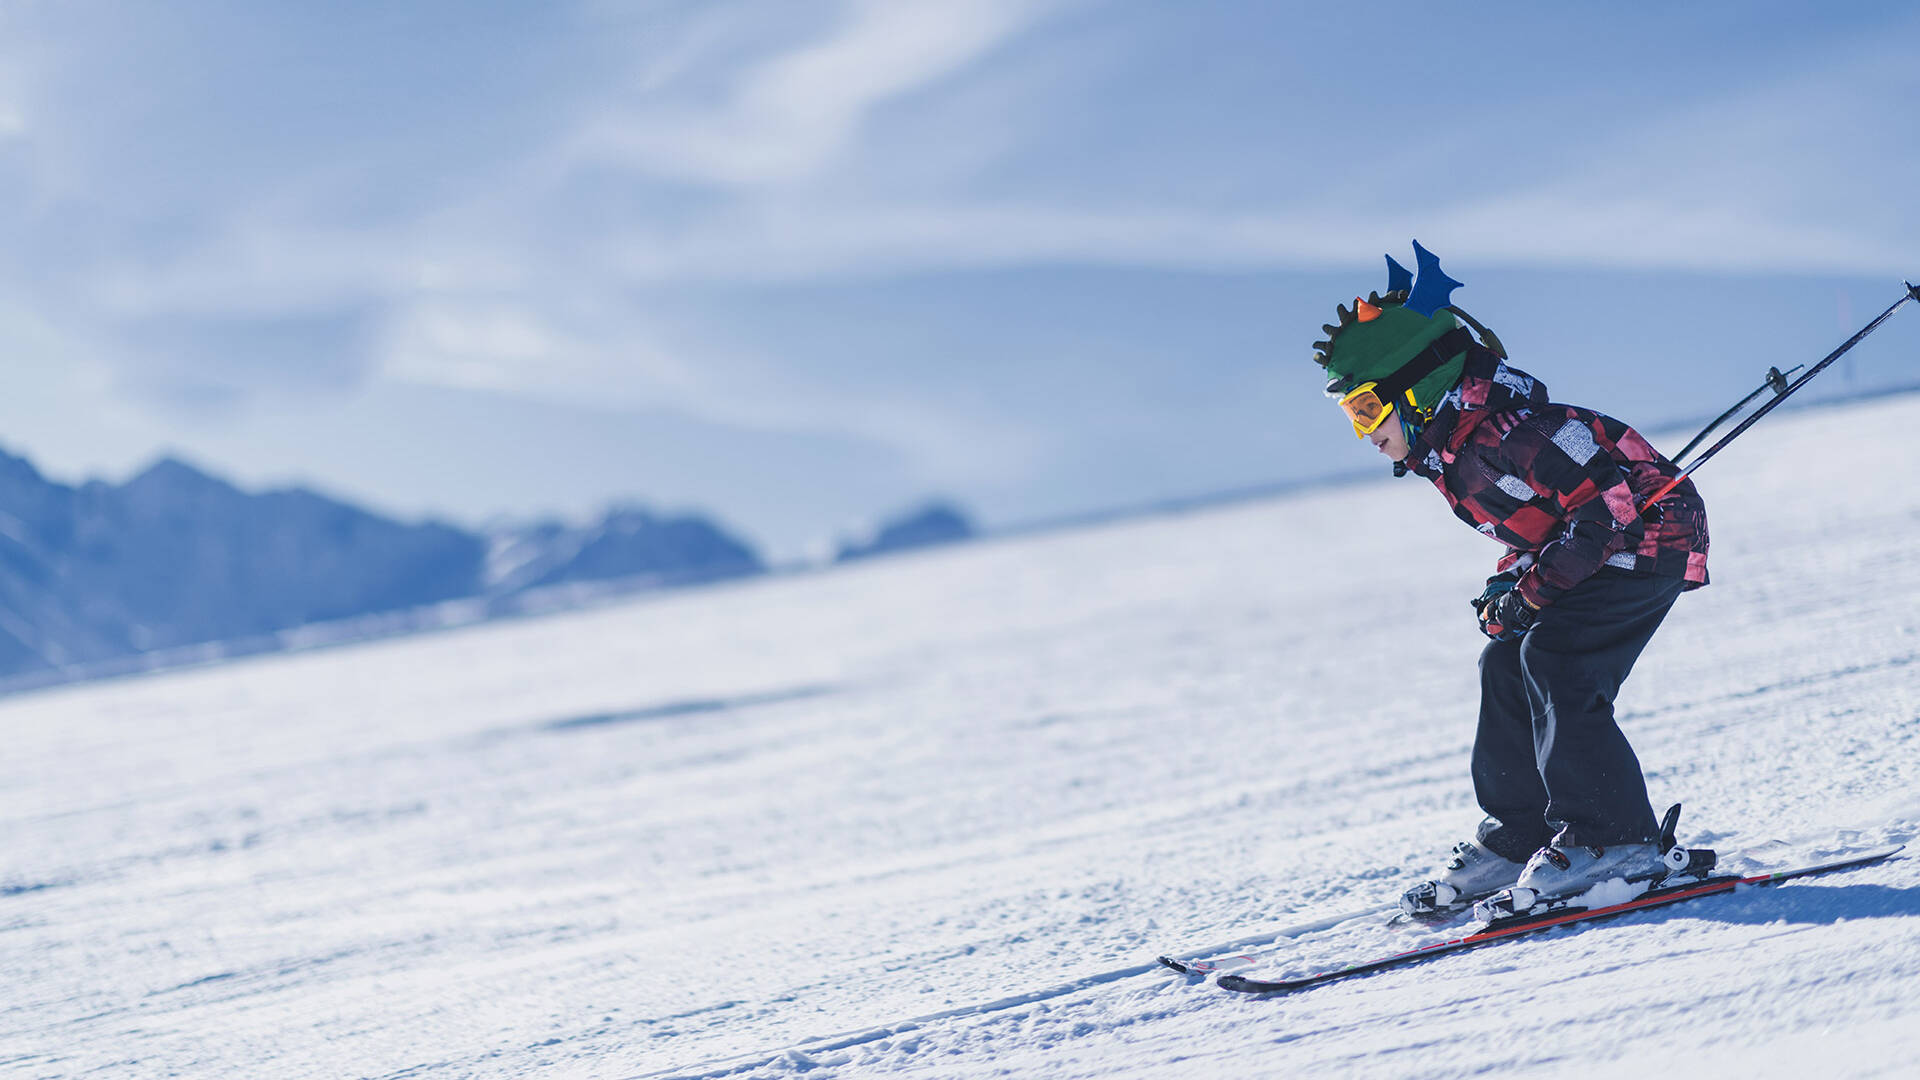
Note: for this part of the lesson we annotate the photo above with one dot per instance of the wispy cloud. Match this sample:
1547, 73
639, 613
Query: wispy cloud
603, 361
784, 118
1790, 174
1760, 177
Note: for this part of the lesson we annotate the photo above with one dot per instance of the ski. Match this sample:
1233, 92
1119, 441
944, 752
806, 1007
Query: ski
1551, 914
1250, 951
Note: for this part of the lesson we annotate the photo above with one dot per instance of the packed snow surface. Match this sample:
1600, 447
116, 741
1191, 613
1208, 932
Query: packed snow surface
936, 815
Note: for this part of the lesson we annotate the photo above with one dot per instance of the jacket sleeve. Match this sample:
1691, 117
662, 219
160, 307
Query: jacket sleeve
1561, 455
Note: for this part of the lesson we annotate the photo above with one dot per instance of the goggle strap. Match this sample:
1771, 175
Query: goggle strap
1426, 362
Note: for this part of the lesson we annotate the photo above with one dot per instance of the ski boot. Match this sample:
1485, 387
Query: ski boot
1471, 872
1556, 874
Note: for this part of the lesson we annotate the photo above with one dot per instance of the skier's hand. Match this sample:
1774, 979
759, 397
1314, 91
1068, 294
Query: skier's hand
1497, 585
1507, 616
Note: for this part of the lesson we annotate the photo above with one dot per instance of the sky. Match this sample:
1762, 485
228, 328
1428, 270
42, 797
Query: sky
802, 265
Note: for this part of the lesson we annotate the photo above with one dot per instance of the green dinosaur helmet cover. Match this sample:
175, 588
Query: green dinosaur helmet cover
1363, 352
1383, 334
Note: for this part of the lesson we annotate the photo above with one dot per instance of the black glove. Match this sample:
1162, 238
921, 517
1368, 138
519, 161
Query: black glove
1507, 616
1497, 585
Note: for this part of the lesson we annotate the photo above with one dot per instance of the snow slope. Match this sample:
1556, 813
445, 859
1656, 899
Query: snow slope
934, 816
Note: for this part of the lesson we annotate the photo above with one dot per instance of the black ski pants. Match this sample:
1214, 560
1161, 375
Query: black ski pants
1549, 762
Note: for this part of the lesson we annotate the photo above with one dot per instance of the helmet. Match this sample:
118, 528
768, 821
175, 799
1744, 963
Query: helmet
1403, 350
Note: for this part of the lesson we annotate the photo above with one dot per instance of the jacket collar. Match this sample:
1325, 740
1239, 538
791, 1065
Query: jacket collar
1486, 388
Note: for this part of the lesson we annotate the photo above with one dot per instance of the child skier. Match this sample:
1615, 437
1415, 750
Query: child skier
1588, 576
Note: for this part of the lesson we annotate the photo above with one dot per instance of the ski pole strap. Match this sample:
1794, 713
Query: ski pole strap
1913, 293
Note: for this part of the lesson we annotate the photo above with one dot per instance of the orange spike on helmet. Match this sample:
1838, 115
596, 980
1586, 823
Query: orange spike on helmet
1366, 312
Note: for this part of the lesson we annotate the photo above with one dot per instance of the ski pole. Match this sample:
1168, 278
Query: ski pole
1776, 381
1913, 293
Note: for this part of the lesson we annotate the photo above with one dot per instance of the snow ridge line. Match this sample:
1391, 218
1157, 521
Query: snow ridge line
829, 1043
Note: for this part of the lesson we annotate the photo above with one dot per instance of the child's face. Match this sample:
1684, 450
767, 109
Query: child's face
1390, 439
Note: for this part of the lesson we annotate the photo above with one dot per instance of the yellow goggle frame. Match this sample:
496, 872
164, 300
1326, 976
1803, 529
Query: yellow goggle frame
1364, 407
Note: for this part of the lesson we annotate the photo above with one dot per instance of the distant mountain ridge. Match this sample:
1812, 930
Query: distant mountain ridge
625, 543
930, 525
175, 557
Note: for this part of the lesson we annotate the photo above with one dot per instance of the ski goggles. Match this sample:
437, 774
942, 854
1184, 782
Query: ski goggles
1366, 408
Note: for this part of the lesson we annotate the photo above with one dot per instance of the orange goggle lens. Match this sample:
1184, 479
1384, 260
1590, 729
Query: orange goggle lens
1364, 407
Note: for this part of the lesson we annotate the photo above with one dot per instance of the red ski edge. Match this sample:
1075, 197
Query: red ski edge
1523, 924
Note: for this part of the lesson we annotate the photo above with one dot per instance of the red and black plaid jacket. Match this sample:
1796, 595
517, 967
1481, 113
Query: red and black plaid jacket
1558, 483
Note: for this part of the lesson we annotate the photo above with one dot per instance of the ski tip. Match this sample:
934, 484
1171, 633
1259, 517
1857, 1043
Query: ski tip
1180, 966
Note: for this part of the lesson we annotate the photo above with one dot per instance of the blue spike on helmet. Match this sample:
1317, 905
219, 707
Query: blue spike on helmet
1399, 278
1434, 288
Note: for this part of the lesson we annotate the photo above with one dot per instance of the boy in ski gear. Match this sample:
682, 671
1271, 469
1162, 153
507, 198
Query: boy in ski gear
1588, 575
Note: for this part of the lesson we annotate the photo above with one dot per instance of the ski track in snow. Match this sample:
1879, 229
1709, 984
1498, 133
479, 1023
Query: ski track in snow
935, 816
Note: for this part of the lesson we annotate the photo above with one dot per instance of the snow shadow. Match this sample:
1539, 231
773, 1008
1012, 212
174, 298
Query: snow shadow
21, 888
1812, 904
692, 707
